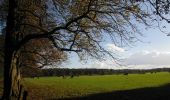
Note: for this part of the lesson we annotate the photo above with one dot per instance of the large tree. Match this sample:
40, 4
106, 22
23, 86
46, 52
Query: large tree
34, 54
43, 53
70, 25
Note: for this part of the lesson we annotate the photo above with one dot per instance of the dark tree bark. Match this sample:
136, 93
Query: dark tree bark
12, 85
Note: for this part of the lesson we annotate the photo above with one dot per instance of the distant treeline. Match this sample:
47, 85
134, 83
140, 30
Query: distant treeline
76, 72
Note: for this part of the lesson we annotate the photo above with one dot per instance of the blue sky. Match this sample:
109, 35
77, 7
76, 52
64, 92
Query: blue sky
154, 40
153, 52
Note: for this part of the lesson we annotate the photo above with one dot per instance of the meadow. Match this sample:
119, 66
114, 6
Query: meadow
100, 87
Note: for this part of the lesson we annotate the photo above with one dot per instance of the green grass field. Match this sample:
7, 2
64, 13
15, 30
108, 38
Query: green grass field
57, 87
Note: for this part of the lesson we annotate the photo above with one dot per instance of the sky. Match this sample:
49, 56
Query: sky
152, 52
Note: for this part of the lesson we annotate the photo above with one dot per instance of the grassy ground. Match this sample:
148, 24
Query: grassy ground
59, 88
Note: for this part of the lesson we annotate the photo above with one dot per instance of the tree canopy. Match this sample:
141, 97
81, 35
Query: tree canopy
35, 53
82, 31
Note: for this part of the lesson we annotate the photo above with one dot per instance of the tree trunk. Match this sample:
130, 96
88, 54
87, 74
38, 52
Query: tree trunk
12, 80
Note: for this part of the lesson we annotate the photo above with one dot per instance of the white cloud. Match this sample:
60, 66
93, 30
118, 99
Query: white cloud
139, 60
149, 58
105, 64
113, 47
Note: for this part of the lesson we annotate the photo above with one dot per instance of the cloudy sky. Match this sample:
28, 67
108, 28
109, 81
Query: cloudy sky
153, 52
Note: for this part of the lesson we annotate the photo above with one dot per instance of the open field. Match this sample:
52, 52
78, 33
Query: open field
117, 87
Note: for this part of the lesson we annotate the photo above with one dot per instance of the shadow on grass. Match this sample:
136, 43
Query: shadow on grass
151, 93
